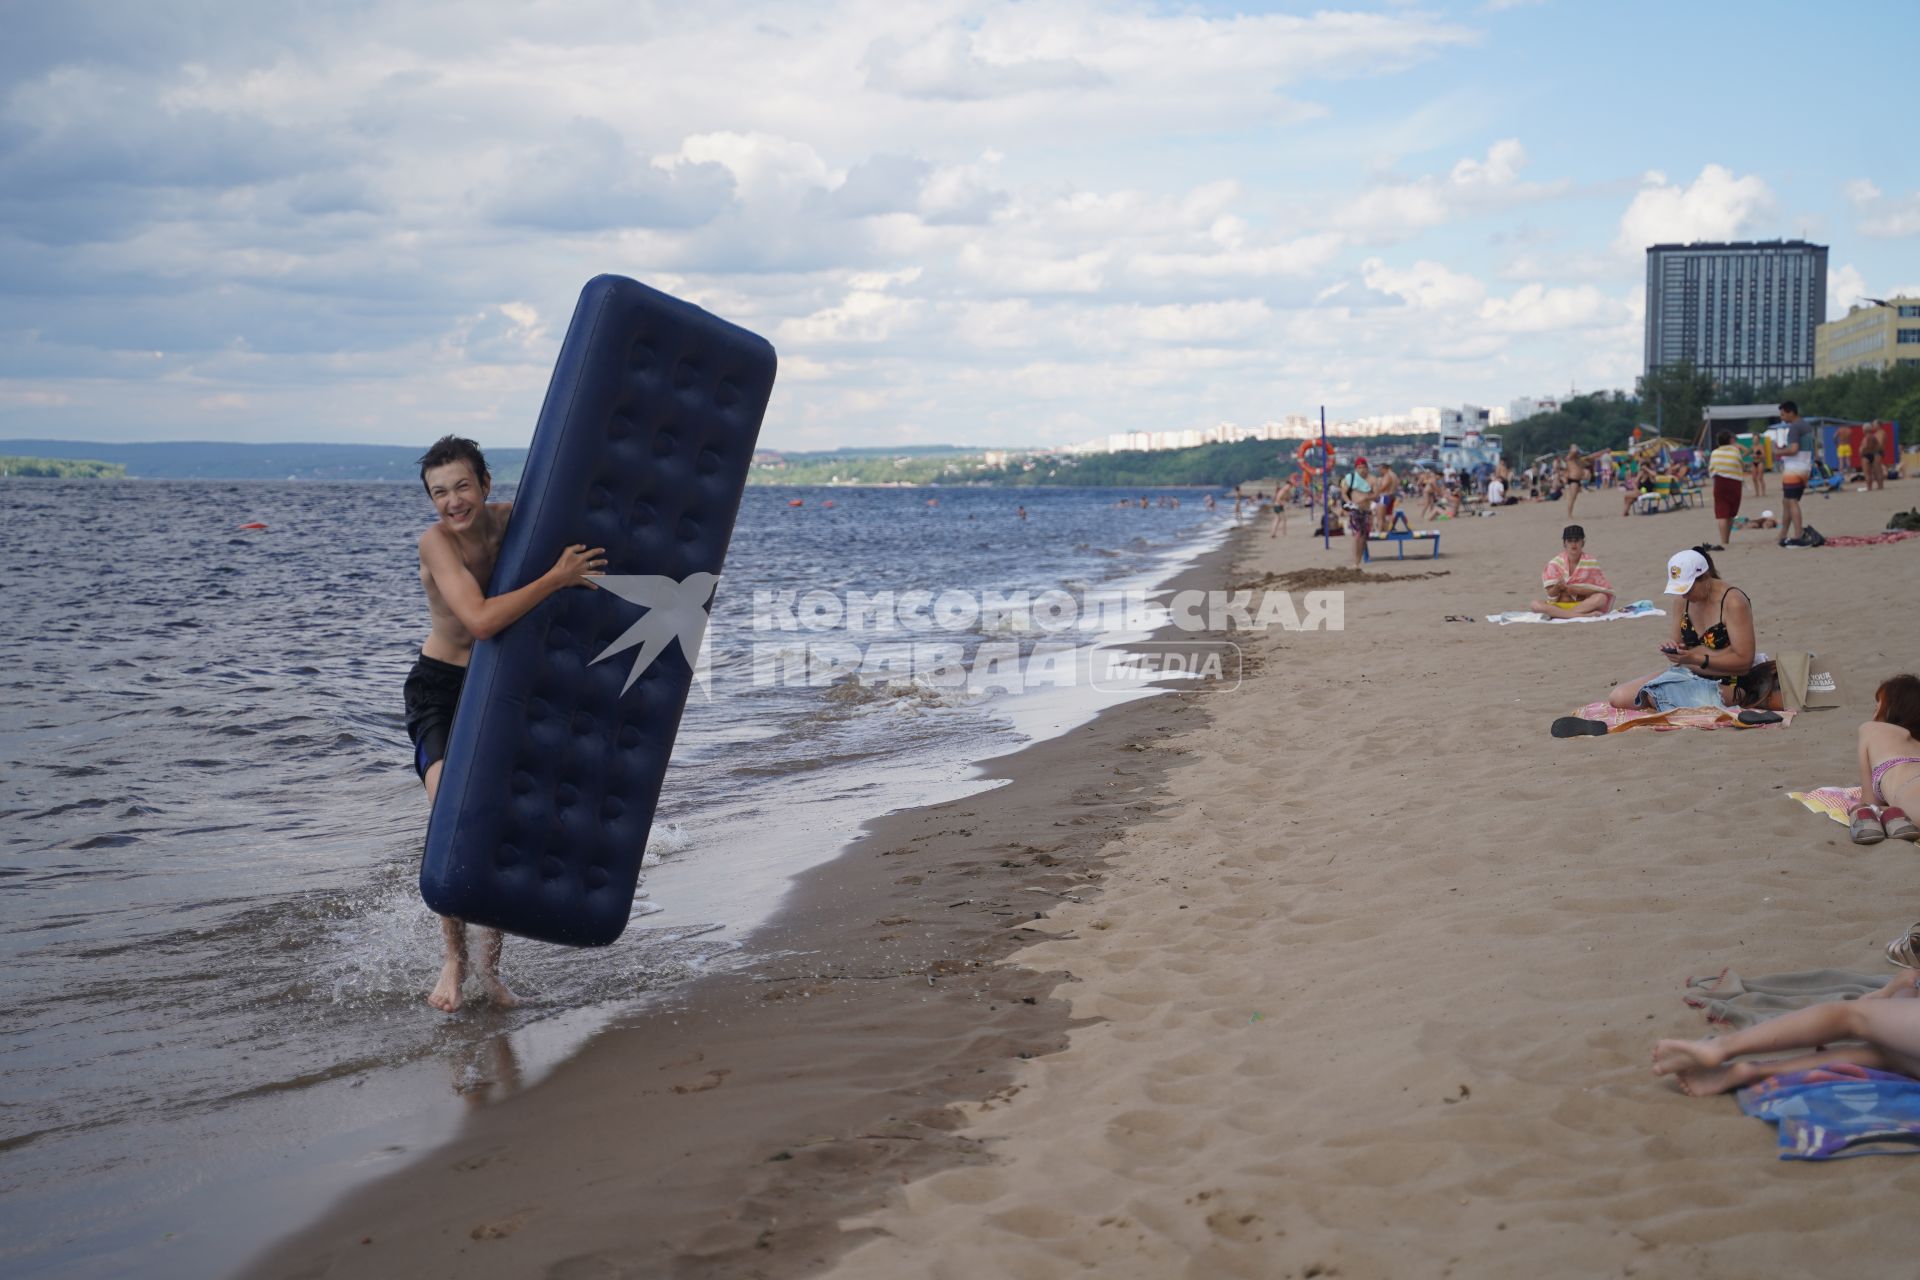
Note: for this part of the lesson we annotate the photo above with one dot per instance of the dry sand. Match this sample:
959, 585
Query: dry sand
1376, 993
1362, 981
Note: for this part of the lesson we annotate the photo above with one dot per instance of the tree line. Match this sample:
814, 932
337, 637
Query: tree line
61, 468
1673, 398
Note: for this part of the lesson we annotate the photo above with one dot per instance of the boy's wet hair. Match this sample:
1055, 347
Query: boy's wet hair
1899, 699
454, 449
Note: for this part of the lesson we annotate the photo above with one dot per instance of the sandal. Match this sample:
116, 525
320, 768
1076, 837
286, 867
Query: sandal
1577, 727
1905, 949
1863, 825
1898, 825
1759, 717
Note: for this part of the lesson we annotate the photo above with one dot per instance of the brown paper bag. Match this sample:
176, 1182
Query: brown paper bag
1808, 680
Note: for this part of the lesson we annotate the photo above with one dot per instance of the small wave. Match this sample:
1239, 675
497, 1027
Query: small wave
865, 696
113, 840
665, 840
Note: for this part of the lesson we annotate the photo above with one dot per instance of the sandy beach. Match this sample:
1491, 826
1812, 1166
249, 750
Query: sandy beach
1350, 970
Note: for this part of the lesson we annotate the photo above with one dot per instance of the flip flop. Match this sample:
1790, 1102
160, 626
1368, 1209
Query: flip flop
1905, 949
1759, 717
1863, 825
1578, 727
1898, 825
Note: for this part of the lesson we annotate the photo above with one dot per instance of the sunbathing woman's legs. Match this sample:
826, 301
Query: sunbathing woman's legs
1890, 1030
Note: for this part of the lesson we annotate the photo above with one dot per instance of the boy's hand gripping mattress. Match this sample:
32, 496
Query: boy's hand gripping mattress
561, 741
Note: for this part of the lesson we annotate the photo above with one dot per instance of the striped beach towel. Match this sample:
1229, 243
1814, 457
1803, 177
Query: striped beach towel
1835, 802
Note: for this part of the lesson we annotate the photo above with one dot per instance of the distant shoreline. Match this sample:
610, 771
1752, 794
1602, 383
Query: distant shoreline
929, 466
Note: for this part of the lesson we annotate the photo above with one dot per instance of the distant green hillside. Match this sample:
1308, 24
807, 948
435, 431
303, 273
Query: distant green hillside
211, 460
1212, 464
62, 468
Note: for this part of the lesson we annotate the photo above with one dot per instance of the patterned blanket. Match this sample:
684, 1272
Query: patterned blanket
1841, 1110
1618, 720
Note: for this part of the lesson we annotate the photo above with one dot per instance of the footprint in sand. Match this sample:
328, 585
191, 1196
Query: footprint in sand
501, 1228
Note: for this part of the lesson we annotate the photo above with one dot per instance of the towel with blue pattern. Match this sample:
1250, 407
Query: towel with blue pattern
1841, 1110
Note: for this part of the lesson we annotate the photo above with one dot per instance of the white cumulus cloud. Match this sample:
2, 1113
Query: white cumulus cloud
1883, 217
1428, 286
1714, 206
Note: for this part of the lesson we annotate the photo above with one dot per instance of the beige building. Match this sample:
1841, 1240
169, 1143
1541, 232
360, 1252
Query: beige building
1876, 335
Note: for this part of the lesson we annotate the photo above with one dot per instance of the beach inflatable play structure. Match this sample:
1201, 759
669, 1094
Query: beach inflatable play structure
560, 745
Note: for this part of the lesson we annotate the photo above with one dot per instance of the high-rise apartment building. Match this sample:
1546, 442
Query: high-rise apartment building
1740, 312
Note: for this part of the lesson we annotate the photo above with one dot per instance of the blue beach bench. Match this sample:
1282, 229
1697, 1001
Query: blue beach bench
1401, 537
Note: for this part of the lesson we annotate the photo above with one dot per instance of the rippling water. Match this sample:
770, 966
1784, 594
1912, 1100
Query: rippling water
210, 829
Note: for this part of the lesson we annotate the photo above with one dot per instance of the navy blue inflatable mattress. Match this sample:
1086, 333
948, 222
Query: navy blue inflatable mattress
568, 716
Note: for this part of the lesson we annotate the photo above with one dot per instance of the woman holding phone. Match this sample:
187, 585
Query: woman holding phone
1710, 647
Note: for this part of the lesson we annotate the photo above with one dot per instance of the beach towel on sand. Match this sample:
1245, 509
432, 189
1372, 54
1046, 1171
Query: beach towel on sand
1638, 609
1835, 802
1836, 1111
1733, 1002
1617, 719
1870, 540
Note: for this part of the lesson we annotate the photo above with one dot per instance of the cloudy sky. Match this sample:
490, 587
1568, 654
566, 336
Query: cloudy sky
958, 222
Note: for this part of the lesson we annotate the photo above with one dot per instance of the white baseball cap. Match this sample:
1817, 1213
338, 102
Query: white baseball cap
1684, 568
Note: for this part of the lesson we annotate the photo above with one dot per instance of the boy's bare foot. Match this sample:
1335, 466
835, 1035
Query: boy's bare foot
1673, 1056
497, 991
446, 992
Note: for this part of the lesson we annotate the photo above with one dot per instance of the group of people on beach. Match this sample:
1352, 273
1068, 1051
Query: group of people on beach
1717, 664
1713, 661
1880, 1030
1647, 480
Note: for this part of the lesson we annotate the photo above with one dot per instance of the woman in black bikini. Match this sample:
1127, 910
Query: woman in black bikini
1705, 665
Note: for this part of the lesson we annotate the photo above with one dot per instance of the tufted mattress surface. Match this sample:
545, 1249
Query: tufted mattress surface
561, 741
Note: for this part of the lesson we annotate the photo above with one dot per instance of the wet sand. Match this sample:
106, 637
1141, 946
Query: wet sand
1363, 979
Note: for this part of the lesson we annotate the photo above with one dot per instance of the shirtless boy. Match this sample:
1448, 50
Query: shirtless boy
456, 559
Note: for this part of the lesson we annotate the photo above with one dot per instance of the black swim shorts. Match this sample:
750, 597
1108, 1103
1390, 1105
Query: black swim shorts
432, 693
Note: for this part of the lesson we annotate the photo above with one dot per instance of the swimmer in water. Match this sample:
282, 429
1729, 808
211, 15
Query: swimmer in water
456, 559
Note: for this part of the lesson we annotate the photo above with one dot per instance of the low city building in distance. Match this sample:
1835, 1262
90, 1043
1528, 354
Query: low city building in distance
1879, 333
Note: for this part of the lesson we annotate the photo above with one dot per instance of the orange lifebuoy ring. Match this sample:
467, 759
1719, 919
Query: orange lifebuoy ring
1314, 446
